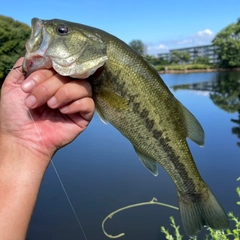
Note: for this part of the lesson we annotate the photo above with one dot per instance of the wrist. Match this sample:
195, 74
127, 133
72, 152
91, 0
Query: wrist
17, 153
21, 173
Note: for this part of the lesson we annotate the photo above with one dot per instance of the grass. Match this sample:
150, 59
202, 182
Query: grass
184, 67
213, 234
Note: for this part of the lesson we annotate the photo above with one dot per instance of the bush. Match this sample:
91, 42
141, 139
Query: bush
13, 36
159, 68
176, 67
197, 66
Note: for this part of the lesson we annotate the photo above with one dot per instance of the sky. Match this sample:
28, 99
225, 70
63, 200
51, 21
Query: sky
160, 25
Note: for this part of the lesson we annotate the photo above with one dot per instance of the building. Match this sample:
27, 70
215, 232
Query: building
165, 56
195, 52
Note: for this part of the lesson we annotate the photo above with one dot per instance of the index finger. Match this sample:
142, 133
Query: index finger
36, 78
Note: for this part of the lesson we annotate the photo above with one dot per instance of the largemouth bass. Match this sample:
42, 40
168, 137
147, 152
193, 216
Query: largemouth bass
131, 95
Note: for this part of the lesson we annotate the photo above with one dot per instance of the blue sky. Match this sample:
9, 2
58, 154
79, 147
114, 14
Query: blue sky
161, 25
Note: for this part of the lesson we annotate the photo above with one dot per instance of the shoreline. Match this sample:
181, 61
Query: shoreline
199, 70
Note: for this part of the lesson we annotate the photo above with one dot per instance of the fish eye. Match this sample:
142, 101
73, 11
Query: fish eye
62, 29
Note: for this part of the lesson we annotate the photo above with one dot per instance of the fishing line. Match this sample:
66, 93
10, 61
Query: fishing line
64, 189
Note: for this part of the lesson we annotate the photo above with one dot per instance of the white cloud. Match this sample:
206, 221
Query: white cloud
162, 47
205, 33
202, 37
153, 49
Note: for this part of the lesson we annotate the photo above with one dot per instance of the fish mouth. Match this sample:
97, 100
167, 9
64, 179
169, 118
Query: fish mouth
35, 62
37, 56
36, 48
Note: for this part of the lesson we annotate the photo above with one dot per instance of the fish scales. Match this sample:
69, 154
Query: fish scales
152, 136
130, 94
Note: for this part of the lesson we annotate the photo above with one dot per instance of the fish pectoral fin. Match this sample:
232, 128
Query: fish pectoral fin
148, 162
100, 115
111, 100
194, 129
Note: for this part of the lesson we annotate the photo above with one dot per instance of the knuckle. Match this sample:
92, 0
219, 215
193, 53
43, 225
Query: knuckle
88, 87
65, 92
86, 104
41, 75
84, 86
44, 89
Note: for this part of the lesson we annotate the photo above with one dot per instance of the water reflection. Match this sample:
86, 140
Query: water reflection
223, 89
200, 86
236, 130
226, 95
226, 91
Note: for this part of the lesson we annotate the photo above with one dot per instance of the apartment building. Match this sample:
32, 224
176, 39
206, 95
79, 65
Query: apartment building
195, 52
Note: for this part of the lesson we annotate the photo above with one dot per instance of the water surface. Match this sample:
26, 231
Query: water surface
102, 173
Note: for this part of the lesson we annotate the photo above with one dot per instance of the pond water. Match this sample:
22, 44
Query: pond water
102, 173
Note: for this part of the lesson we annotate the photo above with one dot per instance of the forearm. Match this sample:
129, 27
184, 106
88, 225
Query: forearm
21, 173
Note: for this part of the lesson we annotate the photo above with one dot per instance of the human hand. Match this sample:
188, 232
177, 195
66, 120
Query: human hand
30, 132
60, 106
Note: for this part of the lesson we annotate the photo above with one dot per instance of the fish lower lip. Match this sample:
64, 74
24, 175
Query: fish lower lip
34, 63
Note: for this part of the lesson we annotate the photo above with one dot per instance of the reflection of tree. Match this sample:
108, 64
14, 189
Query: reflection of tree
226, 95
183, 86
236, 130
226, 92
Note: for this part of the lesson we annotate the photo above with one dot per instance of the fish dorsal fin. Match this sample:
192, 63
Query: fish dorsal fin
148, 162
194, 129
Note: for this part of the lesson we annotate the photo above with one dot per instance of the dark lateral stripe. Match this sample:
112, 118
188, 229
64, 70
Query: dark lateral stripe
178, 165
164, 144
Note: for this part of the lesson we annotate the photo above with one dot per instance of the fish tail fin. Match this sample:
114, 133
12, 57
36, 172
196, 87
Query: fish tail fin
199, 210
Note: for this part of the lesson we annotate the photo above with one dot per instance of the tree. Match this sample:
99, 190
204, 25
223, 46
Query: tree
180, 57
138, 46
156, 60
202, 60
228, 43
13, 36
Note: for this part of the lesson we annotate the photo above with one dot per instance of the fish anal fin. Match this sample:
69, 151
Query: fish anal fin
200, 210
194, 129
148, 162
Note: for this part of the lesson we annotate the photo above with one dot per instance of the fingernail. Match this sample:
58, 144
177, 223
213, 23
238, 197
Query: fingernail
30, 101
28, 85
52, 102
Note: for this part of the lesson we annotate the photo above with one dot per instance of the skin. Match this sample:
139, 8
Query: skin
62, 108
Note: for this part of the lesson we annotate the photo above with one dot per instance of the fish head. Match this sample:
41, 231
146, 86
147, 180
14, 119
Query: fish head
69, 48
